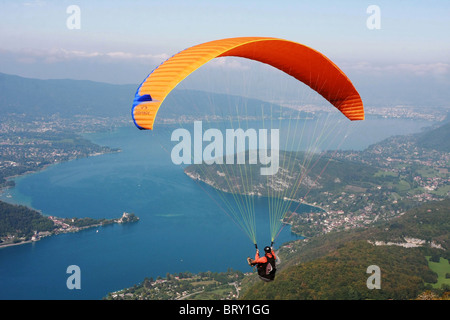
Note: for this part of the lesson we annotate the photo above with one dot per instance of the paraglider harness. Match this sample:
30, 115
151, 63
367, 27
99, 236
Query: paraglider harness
267, 270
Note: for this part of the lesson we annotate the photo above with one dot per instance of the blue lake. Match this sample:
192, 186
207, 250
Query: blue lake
181, 227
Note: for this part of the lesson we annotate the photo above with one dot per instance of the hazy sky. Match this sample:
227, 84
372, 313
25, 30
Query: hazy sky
122, 41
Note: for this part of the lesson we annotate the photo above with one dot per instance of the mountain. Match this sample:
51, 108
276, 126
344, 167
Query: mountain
299, 173
199, 104
81, 97
334, 266
436, 139
64, 97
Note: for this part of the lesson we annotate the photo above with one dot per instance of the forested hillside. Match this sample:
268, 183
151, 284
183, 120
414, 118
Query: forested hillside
21, 221
436, 139
334, 266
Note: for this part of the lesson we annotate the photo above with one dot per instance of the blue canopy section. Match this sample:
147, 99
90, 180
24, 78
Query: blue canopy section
137, 100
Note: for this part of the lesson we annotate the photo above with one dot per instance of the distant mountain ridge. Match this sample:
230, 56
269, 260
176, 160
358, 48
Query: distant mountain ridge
436, 139
64, 97
82, 97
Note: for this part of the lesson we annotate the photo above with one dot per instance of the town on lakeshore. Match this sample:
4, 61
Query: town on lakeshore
64, 225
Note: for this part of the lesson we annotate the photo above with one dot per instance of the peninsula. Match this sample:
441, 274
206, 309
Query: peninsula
20, 224
358, 188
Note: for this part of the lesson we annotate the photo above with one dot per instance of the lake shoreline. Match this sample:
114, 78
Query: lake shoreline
66, 228
46, 166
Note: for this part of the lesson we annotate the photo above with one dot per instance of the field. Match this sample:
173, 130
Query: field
441, 268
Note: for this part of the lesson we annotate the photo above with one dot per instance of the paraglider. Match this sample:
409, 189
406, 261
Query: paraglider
265, 265
301, 62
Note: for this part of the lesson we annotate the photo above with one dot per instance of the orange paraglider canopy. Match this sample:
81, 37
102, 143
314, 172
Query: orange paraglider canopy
301, 62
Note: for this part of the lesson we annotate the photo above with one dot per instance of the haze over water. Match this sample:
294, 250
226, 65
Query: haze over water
181, 227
